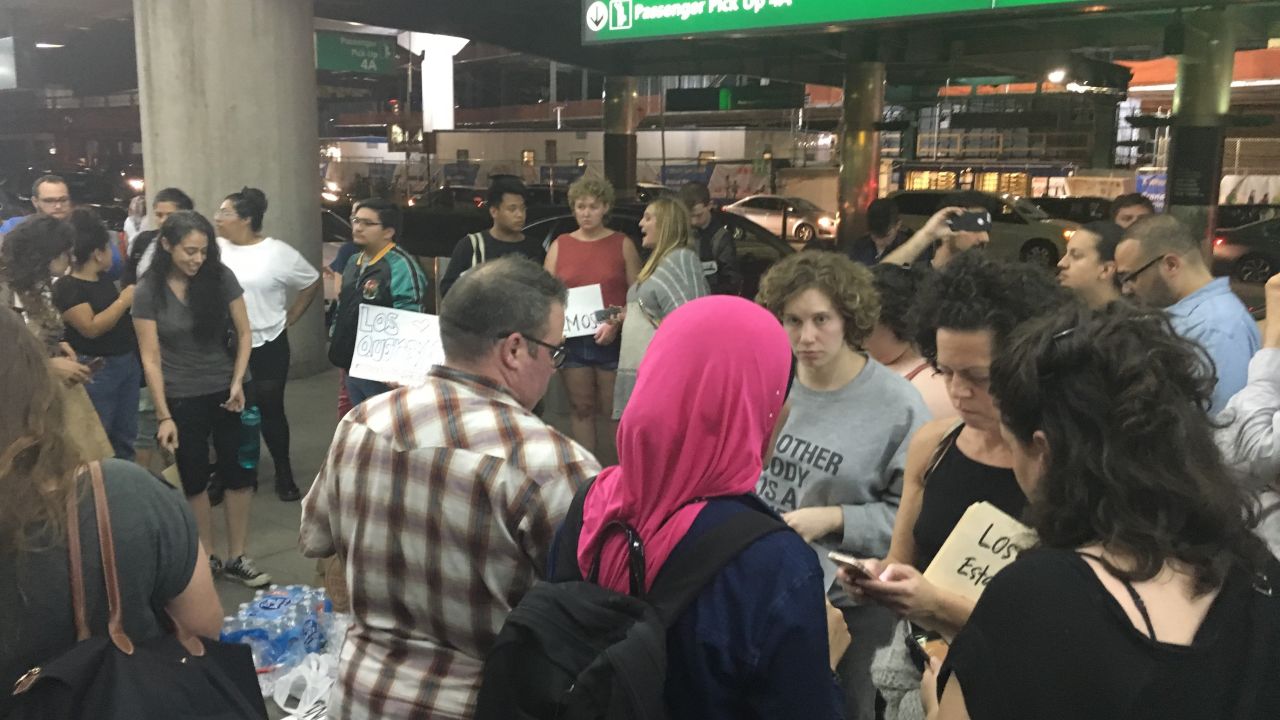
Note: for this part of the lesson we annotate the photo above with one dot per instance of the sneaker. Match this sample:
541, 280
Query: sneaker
215, 565
242, 570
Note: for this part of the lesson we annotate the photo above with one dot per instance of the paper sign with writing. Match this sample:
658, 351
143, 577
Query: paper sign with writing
396, 346
982, 544
579, 314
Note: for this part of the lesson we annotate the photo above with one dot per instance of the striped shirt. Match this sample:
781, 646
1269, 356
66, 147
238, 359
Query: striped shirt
442, 501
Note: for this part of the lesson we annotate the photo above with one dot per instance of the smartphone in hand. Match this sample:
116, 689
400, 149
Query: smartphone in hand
607, 314
924, 645
858, 567
96, 364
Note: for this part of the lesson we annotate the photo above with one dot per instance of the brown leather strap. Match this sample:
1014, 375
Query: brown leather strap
115, 613
75, 564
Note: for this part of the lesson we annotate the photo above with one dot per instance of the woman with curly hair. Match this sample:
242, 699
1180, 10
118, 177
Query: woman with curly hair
892, 342
965, 312
593, 255
1148, 595
840, 452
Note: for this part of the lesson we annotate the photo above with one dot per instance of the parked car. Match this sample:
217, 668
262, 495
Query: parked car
450, 197
804, 220
1020, 230
648, 192
758, 249
1249, 253
1080, 208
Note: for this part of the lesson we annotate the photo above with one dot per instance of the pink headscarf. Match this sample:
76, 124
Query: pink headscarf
707, 397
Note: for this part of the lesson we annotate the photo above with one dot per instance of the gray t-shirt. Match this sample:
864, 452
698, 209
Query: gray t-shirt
191, 368
847, 447
156, 546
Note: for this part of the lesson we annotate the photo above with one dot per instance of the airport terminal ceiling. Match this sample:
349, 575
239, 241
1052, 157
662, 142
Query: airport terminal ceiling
918, 50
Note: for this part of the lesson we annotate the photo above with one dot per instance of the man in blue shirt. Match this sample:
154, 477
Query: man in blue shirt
52, 197
1160, 263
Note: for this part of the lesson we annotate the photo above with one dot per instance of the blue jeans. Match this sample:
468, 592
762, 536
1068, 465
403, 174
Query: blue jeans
114, 392
359, 389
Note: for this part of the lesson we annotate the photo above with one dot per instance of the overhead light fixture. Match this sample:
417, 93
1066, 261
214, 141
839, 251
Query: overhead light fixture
352, 23
49, 46
1056, 76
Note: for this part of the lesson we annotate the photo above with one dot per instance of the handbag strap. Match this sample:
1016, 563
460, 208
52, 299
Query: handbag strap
106, 543
75, 565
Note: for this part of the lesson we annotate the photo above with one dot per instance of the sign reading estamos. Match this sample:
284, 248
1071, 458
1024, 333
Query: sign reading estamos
614, 20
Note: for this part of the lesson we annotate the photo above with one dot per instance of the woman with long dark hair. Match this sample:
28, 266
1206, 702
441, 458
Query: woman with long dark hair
268, 270
99, 329
166, 571
193, 333
1148, 595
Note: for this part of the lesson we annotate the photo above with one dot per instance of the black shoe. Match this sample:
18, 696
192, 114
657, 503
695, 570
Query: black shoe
286, 489
241, 570
287, 492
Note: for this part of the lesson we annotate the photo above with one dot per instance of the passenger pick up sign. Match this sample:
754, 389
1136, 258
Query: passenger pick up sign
982, 544
396, 346
579, 314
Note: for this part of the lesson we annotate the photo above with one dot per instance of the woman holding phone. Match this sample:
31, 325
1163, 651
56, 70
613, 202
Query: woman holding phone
193, 333
99, 329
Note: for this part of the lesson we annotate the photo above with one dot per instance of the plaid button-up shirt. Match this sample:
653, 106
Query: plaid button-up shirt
442, 501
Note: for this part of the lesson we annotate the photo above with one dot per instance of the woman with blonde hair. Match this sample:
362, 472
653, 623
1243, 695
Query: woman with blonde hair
167, 571
670, 278
593, 255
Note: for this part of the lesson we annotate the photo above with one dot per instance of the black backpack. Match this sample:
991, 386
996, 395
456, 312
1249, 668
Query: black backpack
573, 650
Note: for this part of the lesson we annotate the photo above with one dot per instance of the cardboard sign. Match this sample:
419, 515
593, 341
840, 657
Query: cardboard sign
396, 346
982, 544
579, 314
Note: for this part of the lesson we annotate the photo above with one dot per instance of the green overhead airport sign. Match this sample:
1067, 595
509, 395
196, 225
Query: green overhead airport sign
354, 52
613, 20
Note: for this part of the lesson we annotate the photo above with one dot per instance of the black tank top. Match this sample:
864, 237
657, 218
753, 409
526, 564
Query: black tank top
954, 483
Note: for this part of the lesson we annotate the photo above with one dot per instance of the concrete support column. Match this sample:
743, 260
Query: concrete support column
437, 53
910, 136
553, 74
1200, 104
859, 146
23, 63
620, 122
1102, 151
228, 96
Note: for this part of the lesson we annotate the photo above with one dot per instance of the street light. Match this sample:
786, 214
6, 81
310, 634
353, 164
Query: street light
1056, 76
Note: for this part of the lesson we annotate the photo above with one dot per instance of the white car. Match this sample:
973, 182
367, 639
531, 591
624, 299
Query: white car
805, 221
1019, 229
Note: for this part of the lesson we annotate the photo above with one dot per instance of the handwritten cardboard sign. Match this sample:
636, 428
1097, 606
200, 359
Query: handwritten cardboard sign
396, 346
579, 314
982, 544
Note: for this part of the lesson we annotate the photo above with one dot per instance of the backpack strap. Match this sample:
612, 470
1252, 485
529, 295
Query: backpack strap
106, 543
75, 565
567, 569
477, 249
685, 574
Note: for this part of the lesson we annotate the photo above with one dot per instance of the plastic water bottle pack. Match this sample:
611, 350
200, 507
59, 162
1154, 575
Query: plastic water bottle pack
282, 626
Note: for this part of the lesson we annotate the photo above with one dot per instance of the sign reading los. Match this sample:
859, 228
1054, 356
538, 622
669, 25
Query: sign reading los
612, 20
354, 52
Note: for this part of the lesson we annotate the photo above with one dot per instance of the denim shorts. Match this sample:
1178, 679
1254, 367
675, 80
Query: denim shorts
584, 352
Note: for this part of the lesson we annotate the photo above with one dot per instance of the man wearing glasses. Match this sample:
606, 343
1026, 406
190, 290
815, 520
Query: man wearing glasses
444, 499
50, 196
381, 274
1160, 263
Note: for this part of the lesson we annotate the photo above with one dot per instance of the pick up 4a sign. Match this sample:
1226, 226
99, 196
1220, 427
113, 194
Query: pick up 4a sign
612, 20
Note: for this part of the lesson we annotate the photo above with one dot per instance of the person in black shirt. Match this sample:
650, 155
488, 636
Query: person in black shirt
885, 236
715, 245
506, 237
100, 330
1148, 595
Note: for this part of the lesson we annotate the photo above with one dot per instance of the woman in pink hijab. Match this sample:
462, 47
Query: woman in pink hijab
691, 445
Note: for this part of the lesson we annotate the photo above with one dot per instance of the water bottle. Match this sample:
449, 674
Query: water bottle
250, 437
229, 626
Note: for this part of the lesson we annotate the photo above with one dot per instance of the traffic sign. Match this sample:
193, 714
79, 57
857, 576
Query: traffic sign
355, 52
649, 19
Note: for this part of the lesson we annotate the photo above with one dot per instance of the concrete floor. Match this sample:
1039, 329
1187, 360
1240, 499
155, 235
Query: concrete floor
273, 536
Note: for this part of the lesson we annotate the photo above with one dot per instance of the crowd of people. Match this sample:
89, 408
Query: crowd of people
1124, 409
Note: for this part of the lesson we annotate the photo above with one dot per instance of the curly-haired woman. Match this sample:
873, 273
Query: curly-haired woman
966, 311
839, 457
593, 255
1148, 595
892, 342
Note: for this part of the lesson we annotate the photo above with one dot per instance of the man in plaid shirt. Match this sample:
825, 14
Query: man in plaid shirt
443, 500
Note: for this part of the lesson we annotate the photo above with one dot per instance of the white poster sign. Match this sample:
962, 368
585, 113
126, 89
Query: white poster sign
396, 346
983, 543
579, 315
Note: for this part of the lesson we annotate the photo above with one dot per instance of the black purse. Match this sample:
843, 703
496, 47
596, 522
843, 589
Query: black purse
174, 676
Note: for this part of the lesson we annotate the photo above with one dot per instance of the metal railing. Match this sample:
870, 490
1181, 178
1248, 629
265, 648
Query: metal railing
1001, 145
